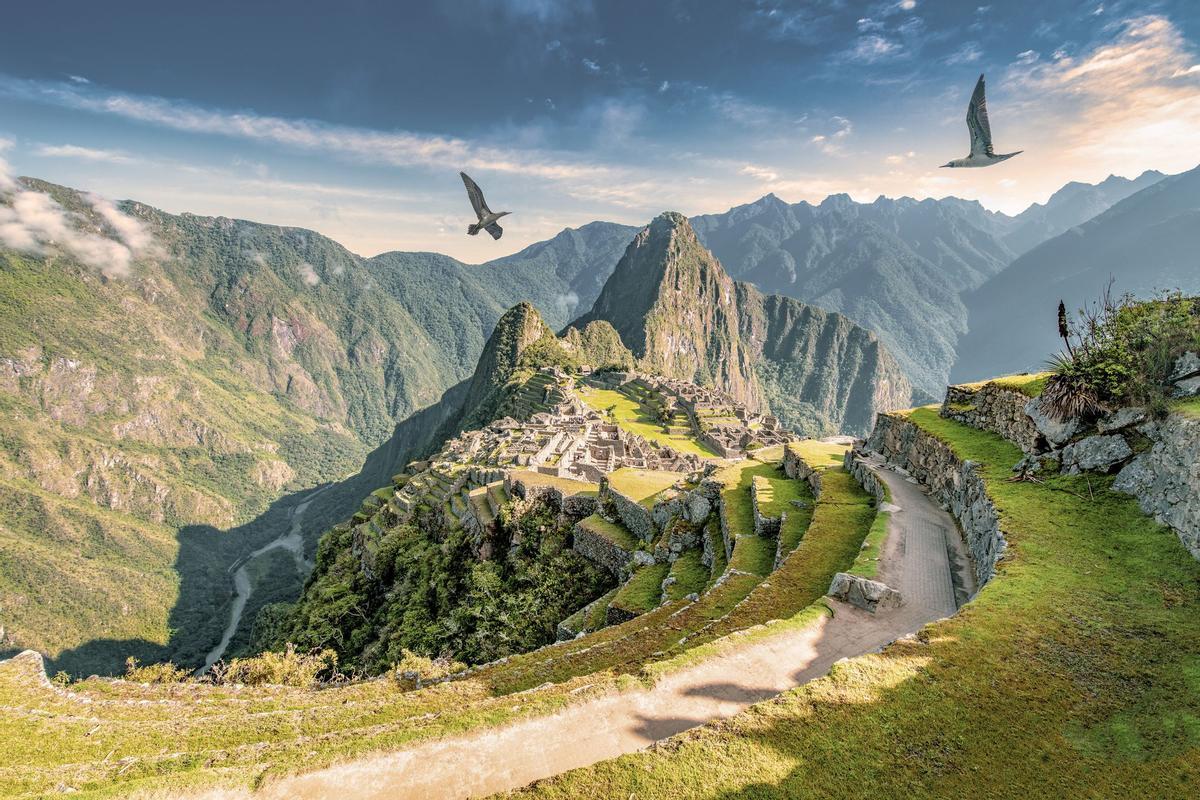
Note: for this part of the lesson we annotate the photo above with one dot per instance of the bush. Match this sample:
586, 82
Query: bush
413, 671
154, 673
289, 668
1121, 352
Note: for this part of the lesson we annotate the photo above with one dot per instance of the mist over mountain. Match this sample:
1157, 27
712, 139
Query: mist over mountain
1146, 243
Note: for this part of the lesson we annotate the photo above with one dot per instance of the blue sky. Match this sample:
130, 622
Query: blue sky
352, 118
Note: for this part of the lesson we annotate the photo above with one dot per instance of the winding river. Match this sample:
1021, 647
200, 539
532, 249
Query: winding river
291, 540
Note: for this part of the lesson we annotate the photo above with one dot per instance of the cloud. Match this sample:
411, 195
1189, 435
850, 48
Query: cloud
761, 173
77, 79
872, 48
662, 87
1194, 69
1028, 57
400, 148
34, 222
82, 153
831, 143
968, 53
567, 302
1122, 103
308, 274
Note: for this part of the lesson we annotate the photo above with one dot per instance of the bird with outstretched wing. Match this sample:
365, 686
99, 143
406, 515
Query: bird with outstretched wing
977, 122
487, 218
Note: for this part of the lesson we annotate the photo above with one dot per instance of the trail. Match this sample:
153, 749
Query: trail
923, 555
293, 541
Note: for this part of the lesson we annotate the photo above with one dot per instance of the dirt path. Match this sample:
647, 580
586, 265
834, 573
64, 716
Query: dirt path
919, 559
291, 540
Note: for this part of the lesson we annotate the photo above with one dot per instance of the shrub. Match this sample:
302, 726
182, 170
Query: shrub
289, 668
154, 673
413, 671
1123, 353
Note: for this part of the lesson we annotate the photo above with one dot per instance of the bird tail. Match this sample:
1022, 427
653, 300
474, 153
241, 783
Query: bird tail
472, 229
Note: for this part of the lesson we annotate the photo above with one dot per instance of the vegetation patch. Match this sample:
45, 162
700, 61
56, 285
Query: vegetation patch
617, 534
690, 575
641, 485
643, 590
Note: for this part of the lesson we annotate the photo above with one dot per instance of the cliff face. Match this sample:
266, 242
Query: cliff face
818, 370
675, 307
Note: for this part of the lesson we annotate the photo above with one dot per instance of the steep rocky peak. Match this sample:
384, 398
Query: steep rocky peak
516, 330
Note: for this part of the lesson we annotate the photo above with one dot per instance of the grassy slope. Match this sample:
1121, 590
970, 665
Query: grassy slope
1075, 672
636, 418
101, 463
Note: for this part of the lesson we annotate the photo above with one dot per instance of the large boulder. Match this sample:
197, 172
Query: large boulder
1186, 375
1121, 419
1057, 433
1095, 454
863, 592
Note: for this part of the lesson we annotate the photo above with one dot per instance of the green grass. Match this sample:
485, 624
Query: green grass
753, 554
594, 617
1074, 672
867, 562
1189, 407
643, 590
717, 545
636, 417
617, 534
1029, 384
641, 485
818, 454
690, 575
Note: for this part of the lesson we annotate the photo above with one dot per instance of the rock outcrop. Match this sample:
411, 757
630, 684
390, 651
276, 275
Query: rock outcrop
1166, 478
682, 316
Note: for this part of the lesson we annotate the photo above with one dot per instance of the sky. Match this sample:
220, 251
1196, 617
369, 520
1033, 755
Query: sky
353, 118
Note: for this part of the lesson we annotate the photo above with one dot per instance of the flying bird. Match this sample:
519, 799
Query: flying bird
487, 219
982, 154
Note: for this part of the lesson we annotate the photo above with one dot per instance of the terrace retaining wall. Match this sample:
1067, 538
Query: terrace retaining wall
953, 482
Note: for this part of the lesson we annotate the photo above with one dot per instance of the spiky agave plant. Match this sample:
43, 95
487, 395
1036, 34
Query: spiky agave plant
1067, 394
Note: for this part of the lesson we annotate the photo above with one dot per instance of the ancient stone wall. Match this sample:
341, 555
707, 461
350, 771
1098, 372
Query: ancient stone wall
1166, 478
600, 550
996, 409
952, 482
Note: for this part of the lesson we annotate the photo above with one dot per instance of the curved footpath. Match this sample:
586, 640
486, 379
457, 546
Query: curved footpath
920, 556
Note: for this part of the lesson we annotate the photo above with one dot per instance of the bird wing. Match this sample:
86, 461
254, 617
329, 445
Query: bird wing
476, 196
977, 122
495, 230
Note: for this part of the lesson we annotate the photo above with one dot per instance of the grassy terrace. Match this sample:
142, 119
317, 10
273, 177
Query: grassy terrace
690, 575
643, 590
1075, 672
565, 485
641, 485
639, 417
614, 533
1029, 384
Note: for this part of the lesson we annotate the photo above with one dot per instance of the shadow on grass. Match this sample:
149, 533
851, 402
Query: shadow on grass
207, 556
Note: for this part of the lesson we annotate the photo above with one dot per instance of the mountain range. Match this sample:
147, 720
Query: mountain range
162, 425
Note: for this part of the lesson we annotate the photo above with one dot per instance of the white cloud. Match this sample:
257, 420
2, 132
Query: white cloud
1120, 106
590, 66
1027, 57
760, 173
33, 222
399, 148
662, 87
872, 48
1194, 69
308, 273
82, 153
967, 53
77, 79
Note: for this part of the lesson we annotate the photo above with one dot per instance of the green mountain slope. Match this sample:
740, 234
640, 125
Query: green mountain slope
155, 420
